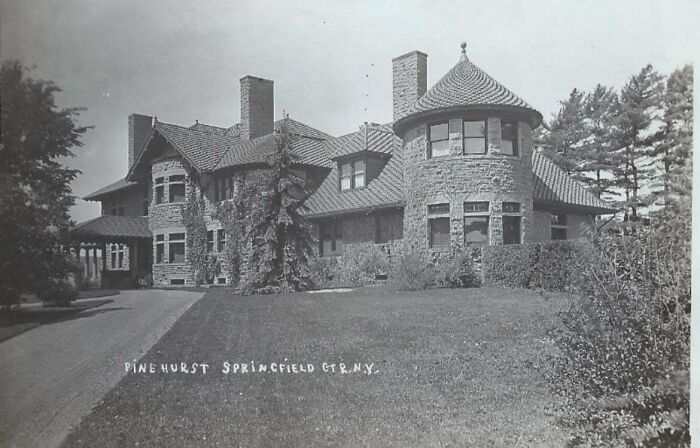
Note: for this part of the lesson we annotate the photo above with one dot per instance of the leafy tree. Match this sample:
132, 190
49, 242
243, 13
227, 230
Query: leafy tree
640, 102
675, 138
598, 158
565, 134
281, 238
35, 192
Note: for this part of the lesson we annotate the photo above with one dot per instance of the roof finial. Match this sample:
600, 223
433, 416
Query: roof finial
464, 52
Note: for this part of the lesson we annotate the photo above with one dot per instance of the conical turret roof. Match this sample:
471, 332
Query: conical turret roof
466, 87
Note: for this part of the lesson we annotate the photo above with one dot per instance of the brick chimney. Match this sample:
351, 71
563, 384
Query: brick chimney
257, 107
139, 129
410, 80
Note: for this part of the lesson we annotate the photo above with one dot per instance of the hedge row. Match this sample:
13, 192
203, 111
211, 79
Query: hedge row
552, 266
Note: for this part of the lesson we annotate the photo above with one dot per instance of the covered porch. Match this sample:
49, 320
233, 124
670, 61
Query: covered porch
117, 251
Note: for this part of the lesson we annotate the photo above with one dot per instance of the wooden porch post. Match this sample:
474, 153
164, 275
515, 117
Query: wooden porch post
87, 263
104, 265
94, 262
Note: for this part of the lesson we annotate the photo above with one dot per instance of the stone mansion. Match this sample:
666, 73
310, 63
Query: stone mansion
455, 167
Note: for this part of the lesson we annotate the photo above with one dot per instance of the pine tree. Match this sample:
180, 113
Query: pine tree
674, 140
640, 102
565, 134
281, 237
598, 158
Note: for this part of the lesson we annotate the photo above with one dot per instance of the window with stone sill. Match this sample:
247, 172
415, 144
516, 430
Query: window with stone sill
352, 174
160, 248
117, 251
474, 135
476, 223
176, 248
439, 225
176, 188
509, 138
558, 226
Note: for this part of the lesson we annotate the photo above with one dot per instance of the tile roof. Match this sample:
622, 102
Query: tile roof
463, 86
121, 184
112, 226
202, 148
384, 191
552, 184
370, 138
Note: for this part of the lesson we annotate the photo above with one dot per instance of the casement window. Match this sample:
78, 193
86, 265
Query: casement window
509, 138
352, 174
224, 188
210, 241
511, 223
476, 223
160, 248
439, 138
558, 226
331, 238
439, 225
220, 240
176, 247
176, 188
474, 134
117, 255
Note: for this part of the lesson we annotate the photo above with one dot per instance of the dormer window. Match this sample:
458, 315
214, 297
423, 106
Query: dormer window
474, 133
352, 175
509, 138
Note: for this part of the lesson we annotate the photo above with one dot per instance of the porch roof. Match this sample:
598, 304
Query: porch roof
112, 229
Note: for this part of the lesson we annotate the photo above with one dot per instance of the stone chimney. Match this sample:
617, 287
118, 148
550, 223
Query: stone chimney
410, 80
257, 107
139, 129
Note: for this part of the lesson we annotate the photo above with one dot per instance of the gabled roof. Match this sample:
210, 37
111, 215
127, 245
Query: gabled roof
384, 191
467, 86
552, 185
371, 137
116, 227
307, 143
209, 147
119, 185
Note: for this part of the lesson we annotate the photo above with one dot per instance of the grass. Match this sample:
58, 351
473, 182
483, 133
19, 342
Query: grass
85, 294
453, 368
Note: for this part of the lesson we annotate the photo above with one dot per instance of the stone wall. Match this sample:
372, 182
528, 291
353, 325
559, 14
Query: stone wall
457, 178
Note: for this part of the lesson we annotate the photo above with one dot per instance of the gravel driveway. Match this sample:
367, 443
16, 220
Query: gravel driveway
53, 375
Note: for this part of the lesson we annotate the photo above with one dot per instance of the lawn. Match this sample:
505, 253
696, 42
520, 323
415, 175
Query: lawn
451, 368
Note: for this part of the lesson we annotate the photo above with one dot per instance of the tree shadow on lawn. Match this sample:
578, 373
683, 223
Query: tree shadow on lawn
15, 322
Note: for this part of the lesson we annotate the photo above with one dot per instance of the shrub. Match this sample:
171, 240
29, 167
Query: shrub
552, 265
56, 293
411, 271
458, 272
77, 275
360, 263
323, 271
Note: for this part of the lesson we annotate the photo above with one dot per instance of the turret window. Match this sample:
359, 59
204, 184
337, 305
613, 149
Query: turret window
176, 188
474, 133
439, 140
476, 223
509, 138
439, 225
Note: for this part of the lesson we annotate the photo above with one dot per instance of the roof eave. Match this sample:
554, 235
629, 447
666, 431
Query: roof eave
398, 204
584, 209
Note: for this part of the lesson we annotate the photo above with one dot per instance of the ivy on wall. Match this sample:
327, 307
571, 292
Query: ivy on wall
196, 234
234, 218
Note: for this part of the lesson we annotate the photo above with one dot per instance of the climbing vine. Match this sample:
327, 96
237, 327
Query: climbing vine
196, 234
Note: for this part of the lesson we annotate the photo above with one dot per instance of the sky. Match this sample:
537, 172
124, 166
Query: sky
331, 60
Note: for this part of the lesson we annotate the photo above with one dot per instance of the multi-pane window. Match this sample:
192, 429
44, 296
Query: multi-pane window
176, 188
511, 223
474, 134
331, 241
558, 226
176, 247
224, 188
439, 140
439, 225
210, 241
160, 190
117, 251
160, 248
352, 174
220, 240
116, 207
476, 222
509, 138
